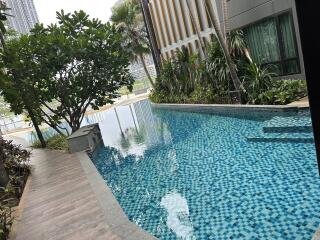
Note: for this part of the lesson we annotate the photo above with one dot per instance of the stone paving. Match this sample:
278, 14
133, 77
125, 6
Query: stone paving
66, 198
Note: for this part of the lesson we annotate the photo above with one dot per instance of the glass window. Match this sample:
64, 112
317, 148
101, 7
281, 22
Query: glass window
272, 42
263, 42
287, 36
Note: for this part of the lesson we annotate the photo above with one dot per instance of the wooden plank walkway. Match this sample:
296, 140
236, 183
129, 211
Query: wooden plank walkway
59, 202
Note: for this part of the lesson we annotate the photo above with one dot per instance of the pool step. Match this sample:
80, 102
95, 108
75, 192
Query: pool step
288, 129
281, 139
292, 124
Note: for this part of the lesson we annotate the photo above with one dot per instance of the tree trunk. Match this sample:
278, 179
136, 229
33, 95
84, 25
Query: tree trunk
233, 72
4, 178
3, 43
146, 70
36, 127
75, 125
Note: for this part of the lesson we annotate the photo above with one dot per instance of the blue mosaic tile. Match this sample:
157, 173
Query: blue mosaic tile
185, 175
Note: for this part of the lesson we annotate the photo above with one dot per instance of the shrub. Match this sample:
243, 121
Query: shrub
14, 163
55, 142
202, 94
284, 92
256, 81
6, 213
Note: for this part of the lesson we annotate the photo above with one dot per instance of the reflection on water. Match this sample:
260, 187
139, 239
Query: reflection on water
130, 129
178, 219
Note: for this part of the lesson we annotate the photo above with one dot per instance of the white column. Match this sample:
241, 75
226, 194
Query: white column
155, 20
167, 19
162, 22
181, 23
203, 13
174, 20
188, 22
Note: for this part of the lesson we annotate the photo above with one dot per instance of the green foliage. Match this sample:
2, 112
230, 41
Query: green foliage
4, 108
6, 213
16, 165
55, 142
189, 79
217, 67
236, 43
77, 63
257, 81
180, 75
204, 95
284, 92
129, 20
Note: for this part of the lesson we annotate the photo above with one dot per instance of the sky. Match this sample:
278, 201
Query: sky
46, 9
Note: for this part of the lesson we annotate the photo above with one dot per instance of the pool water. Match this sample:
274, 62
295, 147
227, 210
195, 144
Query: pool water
182, 175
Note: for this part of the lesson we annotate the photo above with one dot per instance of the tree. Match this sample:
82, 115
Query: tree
72, 65
4, 178
19, 71
223, 43
129, 20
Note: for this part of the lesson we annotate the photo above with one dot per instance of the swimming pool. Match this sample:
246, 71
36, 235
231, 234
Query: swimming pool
182, 175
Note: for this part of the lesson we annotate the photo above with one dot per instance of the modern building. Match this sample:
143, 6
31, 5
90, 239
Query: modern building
270, 27
24, 15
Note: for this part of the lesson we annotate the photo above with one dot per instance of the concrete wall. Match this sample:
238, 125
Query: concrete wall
244, 12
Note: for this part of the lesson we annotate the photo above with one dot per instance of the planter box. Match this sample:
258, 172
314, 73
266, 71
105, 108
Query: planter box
86, 138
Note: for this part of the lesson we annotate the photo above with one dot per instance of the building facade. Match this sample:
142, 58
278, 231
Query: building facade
271, 33
270, 28
24, 15
174, 27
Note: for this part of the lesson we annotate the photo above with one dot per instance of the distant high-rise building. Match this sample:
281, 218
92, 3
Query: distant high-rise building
24, 15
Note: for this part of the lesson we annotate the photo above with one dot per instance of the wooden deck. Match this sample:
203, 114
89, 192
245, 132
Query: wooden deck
61, 202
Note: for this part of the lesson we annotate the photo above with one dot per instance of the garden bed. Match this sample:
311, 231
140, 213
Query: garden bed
15, 169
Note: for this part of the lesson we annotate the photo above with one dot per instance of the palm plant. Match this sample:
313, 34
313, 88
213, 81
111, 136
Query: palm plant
236, 43
223, 43
216, 65
257, 80
180, 74
129, 20
185, 69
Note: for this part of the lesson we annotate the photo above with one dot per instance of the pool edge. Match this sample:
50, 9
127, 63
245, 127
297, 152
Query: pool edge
113, 213
200, 107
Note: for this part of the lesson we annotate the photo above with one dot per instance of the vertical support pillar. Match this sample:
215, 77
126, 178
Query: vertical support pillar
308, 12
151, 34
